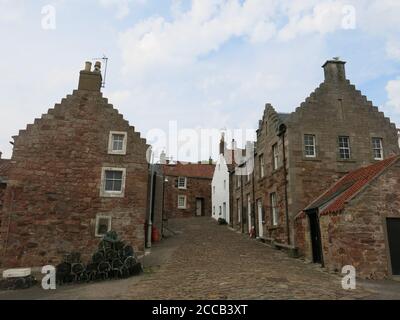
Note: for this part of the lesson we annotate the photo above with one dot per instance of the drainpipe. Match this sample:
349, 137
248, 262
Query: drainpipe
162, 207
241, 209
282, 131
149, 221
254, 199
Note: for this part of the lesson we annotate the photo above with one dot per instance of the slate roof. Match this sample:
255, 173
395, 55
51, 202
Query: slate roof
336, 197
4, 168
189, 170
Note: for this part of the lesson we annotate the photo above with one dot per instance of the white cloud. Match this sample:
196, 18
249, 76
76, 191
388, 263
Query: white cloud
11, 11
324, 17
123, 7
393, 91
204, 28
393, 49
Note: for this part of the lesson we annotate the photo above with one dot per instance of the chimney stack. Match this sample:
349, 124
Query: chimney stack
222, 145
91, 80
334, 70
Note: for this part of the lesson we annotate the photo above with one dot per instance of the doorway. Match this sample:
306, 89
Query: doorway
199, 207
315, 235
393, 232
260, 219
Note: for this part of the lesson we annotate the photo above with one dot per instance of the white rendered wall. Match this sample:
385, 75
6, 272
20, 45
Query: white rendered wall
220, 190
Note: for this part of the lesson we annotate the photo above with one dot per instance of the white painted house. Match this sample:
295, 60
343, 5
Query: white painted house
220, 190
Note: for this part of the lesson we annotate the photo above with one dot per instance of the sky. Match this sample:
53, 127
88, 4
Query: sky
193, 64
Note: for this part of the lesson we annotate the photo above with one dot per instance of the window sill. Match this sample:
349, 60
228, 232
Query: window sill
346, 160
105, 194
315, 159
117, 153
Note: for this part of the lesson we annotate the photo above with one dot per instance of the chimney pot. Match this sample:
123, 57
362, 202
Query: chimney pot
334, 70
97, 66
88, 66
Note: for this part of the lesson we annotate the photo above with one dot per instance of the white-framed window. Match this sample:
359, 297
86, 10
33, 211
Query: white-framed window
113, 182
103, 225
214, 189
377, 145
182, 183
344, 148
117, 142
275, 156
262, 166
182, 202
238, 181
309, 146
214, 211
220, 211
274, 210
224, 184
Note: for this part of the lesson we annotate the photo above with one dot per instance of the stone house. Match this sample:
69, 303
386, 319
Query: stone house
356, 222
299, 155
4, 168
187, 189
243, 191
76, 173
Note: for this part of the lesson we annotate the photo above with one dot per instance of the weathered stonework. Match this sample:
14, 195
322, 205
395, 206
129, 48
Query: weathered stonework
199, 178
53, 195
336, 108
357, 235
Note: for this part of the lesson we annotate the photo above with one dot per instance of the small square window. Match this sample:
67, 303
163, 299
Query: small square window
113, 182
182, 183
117, 143
103, 225
181, 202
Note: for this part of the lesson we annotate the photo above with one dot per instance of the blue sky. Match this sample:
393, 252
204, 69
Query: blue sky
202, 63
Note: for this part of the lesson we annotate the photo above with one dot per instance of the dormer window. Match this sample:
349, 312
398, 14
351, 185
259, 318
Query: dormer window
117, 143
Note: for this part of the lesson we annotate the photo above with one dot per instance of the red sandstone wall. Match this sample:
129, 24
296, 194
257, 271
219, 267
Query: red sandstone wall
196, 188
54, 185
357, 236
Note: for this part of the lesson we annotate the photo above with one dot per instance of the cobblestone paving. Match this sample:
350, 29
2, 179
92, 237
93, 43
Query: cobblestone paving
207, 261
213, 262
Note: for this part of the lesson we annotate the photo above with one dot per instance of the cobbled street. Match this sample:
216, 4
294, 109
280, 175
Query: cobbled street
207, 261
